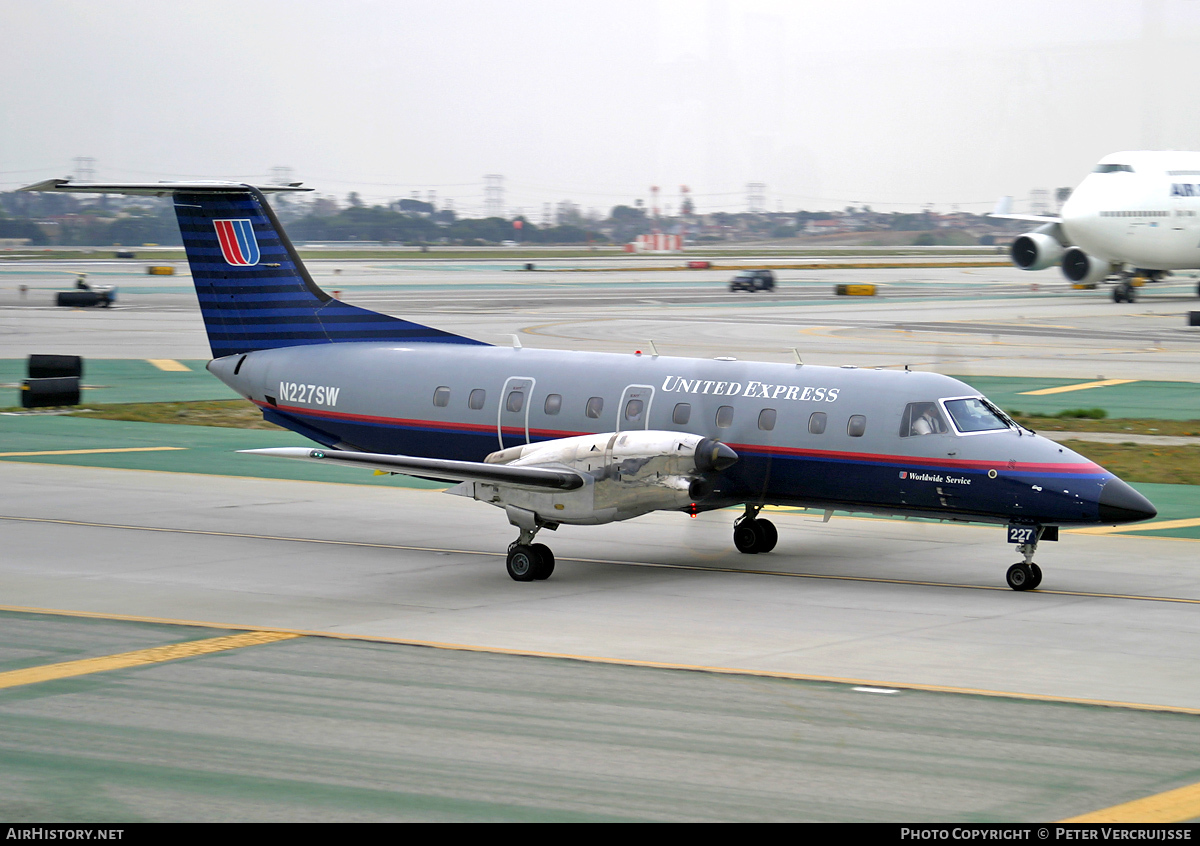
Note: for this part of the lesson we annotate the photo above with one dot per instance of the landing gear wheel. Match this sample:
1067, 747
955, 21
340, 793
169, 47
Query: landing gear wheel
1021, 576
754, 536
545, 567
768, 535
745, 537
1036, 572
523, 562
1124, 292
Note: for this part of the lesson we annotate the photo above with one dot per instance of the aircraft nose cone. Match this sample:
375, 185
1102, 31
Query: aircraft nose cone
714, 455
1120, 503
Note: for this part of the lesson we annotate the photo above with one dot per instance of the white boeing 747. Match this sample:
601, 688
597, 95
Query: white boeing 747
1134, 218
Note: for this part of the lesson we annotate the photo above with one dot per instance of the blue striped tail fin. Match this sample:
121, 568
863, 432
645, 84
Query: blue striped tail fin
254, 291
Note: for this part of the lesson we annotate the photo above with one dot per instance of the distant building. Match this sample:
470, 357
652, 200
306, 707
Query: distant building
824, 227
656, 243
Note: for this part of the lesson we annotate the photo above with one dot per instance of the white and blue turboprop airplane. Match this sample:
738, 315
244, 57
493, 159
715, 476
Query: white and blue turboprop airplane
1134, 218
588, 438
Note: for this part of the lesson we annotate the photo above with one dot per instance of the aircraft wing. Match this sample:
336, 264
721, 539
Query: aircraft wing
561, 479
1032, 218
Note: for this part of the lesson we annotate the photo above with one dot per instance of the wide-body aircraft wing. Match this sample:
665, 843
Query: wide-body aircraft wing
1003, 211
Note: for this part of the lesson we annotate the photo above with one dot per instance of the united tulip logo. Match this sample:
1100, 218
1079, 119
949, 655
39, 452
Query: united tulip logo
238, 244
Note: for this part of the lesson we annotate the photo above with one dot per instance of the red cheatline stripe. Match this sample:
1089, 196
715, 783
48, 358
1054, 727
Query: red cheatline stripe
1087, 468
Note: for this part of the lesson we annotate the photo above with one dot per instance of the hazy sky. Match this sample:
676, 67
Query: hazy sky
828, 103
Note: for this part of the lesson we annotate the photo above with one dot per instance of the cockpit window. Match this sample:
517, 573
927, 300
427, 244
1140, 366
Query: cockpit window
922, 418
1112, 168
974, 415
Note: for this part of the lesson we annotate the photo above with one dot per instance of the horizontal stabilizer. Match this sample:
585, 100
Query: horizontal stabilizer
156, 189
435, 468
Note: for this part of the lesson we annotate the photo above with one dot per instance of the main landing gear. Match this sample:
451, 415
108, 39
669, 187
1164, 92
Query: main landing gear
1025, 575
1124, 292
752, 535
528, 561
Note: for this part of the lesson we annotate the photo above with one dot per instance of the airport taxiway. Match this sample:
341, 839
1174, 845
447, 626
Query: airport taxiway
999, 321
875, 601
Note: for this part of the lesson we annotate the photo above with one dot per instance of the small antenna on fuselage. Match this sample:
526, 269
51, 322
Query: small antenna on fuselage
796, 353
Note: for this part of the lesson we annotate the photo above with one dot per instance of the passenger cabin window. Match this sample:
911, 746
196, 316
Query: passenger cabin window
856, 426
766, 419
553, 403
634, 409
682, 414
515, 401
595, 407
725, 417
476, 399
922, 418
974, 415
441, 397
816, 422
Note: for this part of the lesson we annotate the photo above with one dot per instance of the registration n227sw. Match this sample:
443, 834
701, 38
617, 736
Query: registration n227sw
587, 438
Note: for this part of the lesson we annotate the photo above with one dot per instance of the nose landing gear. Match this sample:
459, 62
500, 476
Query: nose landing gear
752, 535
1024, 575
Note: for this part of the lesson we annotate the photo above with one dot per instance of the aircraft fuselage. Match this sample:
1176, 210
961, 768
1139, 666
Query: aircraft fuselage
822, 437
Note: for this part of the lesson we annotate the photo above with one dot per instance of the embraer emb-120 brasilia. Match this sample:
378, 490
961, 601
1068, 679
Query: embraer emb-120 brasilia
586, 438
1135, 217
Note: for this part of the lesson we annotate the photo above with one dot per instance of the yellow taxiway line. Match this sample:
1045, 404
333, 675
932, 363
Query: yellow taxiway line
267, 634
1082, 386
87, 451
1180, 805
1137, 527
155, 655
170, 365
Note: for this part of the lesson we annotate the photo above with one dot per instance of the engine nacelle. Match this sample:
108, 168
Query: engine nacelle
627, 474
1083, 269
1036, 251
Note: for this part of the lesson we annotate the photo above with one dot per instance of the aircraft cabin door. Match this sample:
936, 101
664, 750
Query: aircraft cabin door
512, 418
633, 412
